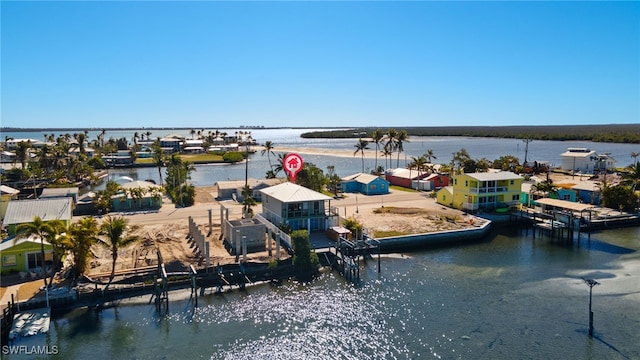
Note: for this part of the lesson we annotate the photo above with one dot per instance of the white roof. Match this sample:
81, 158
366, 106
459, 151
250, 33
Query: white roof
492, 176
9, 243
138, 184
289, 192
565, 204
583, 153
23, 211
56, 192
361, 178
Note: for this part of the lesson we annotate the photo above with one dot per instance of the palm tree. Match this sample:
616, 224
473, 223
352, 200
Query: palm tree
429, 156
116, 234
390, 145
632, 177
401, 138
460, 158
22, 152
377, 137
634, 155
158, 158
81, 138
268, 148
419, 163
247, 201
386, 152
78, 239
102, 135
45, 230
280, 165
361, 146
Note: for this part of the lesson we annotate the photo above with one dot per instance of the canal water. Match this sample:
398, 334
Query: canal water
507, 297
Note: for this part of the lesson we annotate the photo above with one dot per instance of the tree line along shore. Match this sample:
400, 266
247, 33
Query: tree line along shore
607, 133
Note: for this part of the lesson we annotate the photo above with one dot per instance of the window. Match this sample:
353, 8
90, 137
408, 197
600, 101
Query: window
466, 183
512, 182
515, 197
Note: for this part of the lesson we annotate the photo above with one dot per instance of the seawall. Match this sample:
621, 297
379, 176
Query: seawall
439, 238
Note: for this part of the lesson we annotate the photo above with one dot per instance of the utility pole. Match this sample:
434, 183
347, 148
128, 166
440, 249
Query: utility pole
590, 283
526, 149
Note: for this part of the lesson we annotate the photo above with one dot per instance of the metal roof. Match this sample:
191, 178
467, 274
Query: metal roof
9, 243
493, 176
23, 211
289, 192
238, 184
565, 204
361, 178
54, 192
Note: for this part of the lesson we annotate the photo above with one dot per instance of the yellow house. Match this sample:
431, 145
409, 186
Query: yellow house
487, 190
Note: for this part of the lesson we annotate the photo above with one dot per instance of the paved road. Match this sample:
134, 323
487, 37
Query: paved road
348, 206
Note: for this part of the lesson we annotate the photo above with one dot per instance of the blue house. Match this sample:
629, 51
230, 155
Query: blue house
365, 184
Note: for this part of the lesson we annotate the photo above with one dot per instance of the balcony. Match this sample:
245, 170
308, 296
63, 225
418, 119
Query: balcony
486, 190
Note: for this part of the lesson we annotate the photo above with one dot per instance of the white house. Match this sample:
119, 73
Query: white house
585, 160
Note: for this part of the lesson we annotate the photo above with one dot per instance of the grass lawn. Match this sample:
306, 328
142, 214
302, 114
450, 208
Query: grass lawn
202, 157
401, 188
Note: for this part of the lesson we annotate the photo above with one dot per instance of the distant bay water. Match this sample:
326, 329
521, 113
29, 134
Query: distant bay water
285, 139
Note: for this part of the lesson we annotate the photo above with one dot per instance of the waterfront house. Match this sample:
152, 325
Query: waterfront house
13, 143
171, 143
486, 190
365, 184
7, 156
587, 161
298, 207
584, 191
119, 158
6, 194
137, 195
24, 255
24, 211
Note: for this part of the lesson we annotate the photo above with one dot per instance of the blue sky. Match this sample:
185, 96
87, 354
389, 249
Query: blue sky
224, 64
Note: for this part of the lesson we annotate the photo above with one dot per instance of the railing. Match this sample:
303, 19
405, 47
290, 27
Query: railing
485, 190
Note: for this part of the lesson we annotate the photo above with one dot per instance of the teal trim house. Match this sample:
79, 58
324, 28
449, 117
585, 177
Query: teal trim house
137, 195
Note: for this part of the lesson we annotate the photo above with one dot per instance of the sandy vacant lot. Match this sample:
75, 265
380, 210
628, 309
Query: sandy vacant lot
409, 213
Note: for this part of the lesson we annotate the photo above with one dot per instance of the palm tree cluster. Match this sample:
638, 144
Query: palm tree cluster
76, 240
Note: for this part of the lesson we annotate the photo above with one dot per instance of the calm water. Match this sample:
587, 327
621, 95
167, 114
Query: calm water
509, 297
